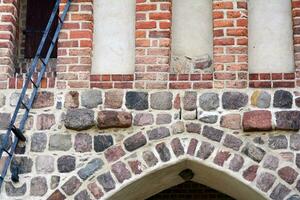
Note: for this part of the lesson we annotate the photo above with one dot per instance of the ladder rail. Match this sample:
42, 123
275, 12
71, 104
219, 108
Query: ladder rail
31, 71
36, 84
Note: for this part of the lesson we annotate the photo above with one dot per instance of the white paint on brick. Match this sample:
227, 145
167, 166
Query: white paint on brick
270, 36
114, 37
192, 32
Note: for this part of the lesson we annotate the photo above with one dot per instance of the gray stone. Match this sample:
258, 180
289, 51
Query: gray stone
71, 186
91, 98
135, 141
236, 163
193, 128
265, 181
178, 127
177, 147
137, 100
189, 115
158, 133
294, 197
102, 142
231, 121
232, 142
163, 119
163, 151
38, 142
90, 168
143, 119
271, 162
209, 101
59, 142
4, 120
288, 120
150, 158
2, 139
205, 150
114, 99
44, 164
190, 101
295, 142
2, 100
24, 164
114, 119
161, 100
83, 142
254, 152
120, 171
278, 142
283, 99
280, 192
38, 186
14, 98
298, 160
106, 181
79, 119
66, 164
210, 119
83, 195
234, 100
261, 99
54, 182
13, 191
212, 133
288, 174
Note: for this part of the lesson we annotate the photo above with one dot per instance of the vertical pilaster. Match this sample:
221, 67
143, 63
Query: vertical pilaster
296, 31
153, 38
8, 23
75, 46
230, 22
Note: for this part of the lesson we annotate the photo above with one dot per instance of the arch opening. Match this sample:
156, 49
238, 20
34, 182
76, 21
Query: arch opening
167, 176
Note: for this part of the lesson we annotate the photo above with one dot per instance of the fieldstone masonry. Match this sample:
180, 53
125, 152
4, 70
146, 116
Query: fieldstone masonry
89, 136
255, 143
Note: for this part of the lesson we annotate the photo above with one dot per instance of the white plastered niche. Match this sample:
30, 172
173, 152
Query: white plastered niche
114, 37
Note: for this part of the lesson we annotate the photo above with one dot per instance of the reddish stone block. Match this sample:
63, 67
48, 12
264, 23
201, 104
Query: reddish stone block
258, 120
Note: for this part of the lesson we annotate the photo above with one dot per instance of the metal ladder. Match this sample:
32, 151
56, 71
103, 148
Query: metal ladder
18, 132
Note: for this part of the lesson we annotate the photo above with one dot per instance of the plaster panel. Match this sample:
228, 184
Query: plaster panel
270, 36
192, 32
114, 37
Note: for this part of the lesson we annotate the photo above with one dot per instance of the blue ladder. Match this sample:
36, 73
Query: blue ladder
12, 128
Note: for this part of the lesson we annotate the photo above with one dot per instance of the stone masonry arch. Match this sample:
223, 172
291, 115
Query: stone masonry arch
238, 167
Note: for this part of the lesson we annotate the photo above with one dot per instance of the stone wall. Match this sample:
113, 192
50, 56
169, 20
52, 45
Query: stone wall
95, 142
101, 136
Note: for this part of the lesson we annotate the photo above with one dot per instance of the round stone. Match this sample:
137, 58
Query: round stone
209, 101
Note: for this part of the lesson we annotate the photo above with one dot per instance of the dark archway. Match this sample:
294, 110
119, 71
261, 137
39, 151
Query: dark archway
192, 191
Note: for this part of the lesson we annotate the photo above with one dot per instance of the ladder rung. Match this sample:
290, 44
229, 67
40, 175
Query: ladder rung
33, 83
25, 105
5, 150
18, 133
59, 19
42, 60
